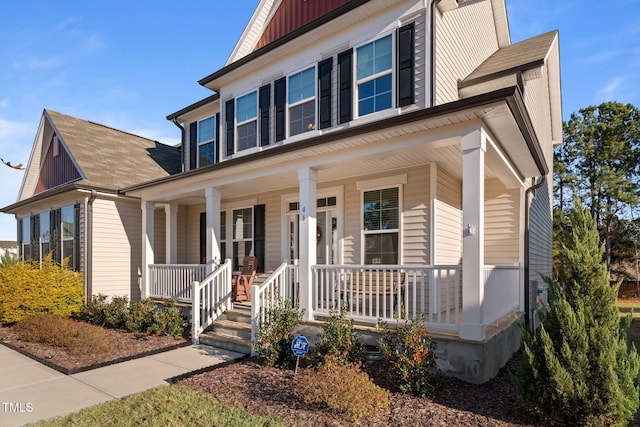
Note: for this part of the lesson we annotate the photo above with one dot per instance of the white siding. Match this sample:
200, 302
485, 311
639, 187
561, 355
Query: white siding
182, 237
116, 248
465, 38
193, 233
415, 217
502, 224
448, 219
273, 224
536, 98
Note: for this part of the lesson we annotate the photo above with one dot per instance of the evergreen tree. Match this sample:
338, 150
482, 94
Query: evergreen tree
577, 368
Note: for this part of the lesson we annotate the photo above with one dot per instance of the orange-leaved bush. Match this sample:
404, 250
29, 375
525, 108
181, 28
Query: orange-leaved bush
26, 288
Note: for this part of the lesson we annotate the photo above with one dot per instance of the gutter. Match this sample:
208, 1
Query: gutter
527, 300
88, 234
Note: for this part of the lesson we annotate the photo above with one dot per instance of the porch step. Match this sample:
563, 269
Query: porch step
231, 331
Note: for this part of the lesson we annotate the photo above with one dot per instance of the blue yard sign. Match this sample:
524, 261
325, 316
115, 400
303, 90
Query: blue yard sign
300, 345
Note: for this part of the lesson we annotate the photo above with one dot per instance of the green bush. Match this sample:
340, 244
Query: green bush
55, 330
27, 289
409, 353
338, 338
143, 316
273, 345
8, 259
577, 368
343, 387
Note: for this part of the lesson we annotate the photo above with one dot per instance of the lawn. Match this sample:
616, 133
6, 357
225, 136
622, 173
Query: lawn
172, 405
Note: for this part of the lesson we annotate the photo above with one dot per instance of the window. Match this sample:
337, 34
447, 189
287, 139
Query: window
206, 141
381, 226
26, 238
223, 234
246, 121
68, 235
242, 235
374, 79
45, 235
301, 100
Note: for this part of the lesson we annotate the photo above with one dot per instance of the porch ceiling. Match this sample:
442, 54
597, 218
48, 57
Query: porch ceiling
351, 154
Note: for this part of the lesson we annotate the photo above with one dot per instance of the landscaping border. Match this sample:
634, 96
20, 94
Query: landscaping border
72, 371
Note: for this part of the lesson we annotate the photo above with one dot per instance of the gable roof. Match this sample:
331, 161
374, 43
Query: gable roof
521, 56
105, 158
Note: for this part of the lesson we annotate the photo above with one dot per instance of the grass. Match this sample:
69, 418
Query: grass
626, 305
172, 405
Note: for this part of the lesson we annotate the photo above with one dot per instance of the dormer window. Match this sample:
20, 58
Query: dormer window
246, 121
206, 141
374, 76
301, 101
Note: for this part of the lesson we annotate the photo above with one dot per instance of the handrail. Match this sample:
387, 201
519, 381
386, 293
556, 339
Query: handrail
210, 298
278, 286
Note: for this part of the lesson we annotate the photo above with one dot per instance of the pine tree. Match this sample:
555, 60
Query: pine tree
577, 369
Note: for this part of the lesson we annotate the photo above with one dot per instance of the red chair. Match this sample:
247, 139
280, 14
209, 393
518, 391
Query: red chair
241, 283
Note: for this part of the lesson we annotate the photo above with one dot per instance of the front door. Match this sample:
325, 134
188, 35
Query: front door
326, 235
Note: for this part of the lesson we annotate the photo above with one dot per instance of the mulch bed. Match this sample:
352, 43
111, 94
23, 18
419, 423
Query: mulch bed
261, 390
123, 346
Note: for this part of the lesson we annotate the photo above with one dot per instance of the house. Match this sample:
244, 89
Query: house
393, 155
69, 203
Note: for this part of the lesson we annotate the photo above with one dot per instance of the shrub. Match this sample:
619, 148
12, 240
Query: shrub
27, 289
409, 353
577, 369
339, 339
55, 330
8, 259
342, 387
273, 345
143, 316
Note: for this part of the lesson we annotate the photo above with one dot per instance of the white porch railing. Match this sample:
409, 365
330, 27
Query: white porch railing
174, 280
280, 286
374, 292
501, 292
210, 298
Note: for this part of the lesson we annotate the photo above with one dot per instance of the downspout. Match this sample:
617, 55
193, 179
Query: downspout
88, 234
175, 122
541, 181
432, 56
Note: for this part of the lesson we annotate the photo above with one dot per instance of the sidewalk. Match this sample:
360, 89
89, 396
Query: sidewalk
30, 391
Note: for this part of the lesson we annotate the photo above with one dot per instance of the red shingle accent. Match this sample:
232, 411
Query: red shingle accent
56, 170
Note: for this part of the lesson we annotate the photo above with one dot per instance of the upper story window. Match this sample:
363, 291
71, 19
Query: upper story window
374, 76
301, 100
246, 120
206, 141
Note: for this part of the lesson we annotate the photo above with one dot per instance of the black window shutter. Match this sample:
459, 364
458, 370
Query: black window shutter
229, 131
259, 234
76, 237
324, 90
280, 102
35, 237
265, 106
216, 144
54, 236
203, 238
406, 73
193, 145
345, 86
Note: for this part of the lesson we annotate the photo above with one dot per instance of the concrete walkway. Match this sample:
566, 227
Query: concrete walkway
30, 391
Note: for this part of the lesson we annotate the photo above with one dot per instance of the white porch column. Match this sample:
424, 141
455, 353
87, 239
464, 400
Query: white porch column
147, 244
307, 178
473, 151
212, 232
171, 232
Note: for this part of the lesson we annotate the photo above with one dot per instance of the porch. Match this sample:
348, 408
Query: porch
369, 293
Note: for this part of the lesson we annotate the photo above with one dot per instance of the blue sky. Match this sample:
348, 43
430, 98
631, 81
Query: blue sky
128, 64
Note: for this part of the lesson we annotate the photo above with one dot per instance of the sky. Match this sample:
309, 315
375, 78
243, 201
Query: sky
129, 64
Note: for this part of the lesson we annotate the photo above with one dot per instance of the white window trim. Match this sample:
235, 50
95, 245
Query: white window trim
357, 83
212, 140
381, 184
295, 104
237, 124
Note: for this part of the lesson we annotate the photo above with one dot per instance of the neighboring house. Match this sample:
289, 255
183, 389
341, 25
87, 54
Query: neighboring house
8, 246
69, 202
370, 152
